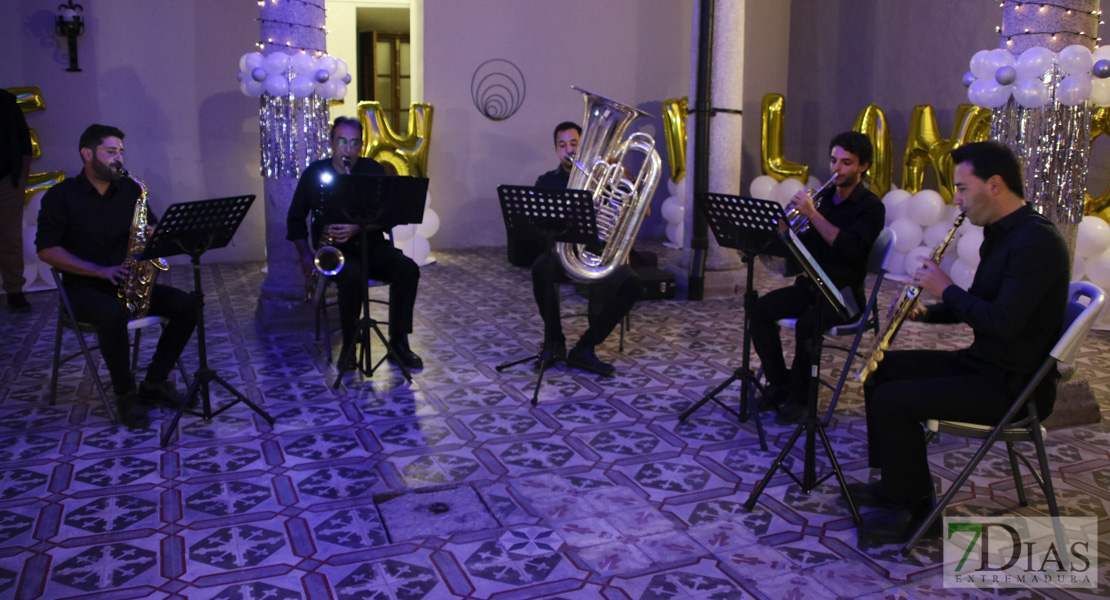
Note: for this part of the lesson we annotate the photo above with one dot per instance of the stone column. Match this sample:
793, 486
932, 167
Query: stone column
289, 26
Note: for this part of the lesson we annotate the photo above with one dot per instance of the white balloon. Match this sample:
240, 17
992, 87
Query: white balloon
430, 225
892, 200
953, 212
29, 251
1098, 270
981, 66
1030, 93
1078, 268
1100, 90
251, 87
1074, 90
763, 187
340, 68
675, 232
403, 233
926, 208
968, 247
1093, 237
977, 91
31, 271
327, 63
276, 85
340, 90
1100, 53
907, 234
935, 234
896, 263
1075, 60
302, 86
998, 58
995, 95
31, 211
947, 262
251, 61
303, 64
327, 89
672, 210
813, 183
1034, 62
276, 63
671, 186
786, 189
912, 261
962, 274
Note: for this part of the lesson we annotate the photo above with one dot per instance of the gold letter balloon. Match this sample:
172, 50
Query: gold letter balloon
872, 123
925, 148
674, 127
774, 163
407, 155
30, 100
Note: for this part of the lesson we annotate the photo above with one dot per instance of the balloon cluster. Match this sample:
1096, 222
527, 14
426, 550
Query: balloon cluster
278, 74
674, 213
996, 75
920, 222
1092, 252
412, 239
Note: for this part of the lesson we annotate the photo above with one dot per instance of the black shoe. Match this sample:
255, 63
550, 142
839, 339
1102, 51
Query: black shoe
585, 359
897, 524
790, 413
17, 303
160, 394
871, 496
130, 410
553, 351
404, 355
773, 397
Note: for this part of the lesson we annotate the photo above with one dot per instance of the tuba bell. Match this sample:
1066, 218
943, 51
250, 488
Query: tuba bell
620, 203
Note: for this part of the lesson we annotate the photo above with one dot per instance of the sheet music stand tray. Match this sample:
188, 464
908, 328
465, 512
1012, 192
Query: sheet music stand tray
811, 425
749, 225
555, 215
381, 202
194, 228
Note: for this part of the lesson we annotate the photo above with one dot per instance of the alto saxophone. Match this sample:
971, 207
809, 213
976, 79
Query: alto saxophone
135, 288
902, 308
328, 260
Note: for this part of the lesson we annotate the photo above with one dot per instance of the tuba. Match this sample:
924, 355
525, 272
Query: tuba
620, 203
135, 288
902, 308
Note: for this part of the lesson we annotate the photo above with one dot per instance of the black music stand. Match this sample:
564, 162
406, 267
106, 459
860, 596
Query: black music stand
378, 202
845, 306
555, 215
194, 228
749, 225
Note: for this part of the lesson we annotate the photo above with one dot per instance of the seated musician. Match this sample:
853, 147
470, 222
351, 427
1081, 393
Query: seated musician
1015, 308
84, 231
608, 305
385, 262
842, 230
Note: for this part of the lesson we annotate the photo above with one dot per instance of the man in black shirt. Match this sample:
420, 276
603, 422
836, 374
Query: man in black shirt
84, 231
386, 263
1015, 308
842, 230
15, 166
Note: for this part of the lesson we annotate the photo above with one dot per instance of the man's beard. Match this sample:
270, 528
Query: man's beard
105, 171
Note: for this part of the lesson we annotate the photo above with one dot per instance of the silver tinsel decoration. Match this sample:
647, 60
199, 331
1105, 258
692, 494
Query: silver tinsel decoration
1051, 143
284, 122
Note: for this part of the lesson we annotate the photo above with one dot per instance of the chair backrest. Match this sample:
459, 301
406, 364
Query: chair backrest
1078, 319
880, 250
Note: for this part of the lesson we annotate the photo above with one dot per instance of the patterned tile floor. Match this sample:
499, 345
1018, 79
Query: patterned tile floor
597, 492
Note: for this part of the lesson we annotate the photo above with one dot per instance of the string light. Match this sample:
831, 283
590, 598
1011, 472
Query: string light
1044, 5
317, 28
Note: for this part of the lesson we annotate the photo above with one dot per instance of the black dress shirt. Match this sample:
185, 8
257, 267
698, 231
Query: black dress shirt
90, 226
313, 195
556, 178
1016, 303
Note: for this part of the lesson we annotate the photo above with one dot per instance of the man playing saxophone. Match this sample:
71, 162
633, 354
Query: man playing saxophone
1014, 307
314, 195
84, 230
840, 235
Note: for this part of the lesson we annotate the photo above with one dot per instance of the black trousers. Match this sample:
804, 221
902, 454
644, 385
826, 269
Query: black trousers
912, 386
97, 304
618, 294
384, 263
791, 302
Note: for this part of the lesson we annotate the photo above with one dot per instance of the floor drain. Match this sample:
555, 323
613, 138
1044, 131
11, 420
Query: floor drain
438, 512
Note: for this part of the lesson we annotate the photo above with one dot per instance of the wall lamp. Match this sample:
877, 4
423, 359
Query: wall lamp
71, 25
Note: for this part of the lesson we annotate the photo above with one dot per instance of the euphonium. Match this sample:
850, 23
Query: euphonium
329, 260
902, 308
135, 287
798, 222
620, 204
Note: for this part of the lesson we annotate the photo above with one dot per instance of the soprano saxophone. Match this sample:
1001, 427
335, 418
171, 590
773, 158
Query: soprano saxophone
135, 287
902, 308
